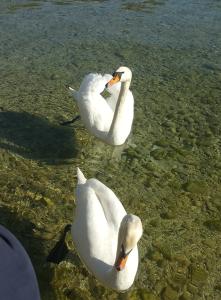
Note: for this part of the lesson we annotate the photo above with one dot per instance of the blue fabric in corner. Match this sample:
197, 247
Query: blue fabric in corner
17, 276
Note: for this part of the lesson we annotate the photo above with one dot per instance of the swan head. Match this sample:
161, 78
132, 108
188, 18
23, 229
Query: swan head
122, 74
131, 230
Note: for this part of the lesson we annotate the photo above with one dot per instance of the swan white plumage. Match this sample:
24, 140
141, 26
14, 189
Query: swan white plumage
108, 119
104, 235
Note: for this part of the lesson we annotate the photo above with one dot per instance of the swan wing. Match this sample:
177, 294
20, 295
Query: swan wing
94, 237
94, 110
89, 219
112, 207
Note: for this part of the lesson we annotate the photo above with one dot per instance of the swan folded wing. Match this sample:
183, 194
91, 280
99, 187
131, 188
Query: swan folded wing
112, 207
95, 113
103, 115
89, 217
93, 83
91, 230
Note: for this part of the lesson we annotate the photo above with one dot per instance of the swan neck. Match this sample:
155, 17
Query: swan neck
119, 110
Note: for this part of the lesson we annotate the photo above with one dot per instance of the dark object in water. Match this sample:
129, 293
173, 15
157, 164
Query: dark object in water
60, 250
70, 121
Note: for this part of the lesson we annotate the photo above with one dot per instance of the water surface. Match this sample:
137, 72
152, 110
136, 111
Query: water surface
168, 172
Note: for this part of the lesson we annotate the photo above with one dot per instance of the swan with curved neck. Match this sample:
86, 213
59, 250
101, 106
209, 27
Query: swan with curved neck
104, 235
108, 119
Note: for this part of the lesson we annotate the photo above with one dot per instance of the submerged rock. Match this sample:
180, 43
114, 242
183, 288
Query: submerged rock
198, 275
139, 294
195, 187
158, 153
186, 296
170, 294
213, 224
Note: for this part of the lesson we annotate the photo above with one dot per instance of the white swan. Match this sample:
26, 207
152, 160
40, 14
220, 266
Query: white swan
108, 119
104, 235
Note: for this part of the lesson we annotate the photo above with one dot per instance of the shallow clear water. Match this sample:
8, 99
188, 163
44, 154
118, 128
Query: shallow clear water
168, 172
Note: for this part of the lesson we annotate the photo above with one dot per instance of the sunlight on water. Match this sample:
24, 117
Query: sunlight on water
168, 172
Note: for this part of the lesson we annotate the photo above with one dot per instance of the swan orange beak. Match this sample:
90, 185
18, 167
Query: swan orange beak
121, 262
115, 79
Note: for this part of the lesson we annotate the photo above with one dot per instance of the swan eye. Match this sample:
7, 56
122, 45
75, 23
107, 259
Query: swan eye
119, 74
124, 254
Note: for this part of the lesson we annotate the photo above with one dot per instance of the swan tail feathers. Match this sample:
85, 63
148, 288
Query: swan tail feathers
71, 89
81, 177
73, 92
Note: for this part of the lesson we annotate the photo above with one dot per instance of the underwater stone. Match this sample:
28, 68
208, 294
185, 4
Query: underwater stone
154, 222
132, 153
169, 124
145, 295
218, 165
216, 201
214, 224
195, 187
198, 275
210, 205
158, 154
148, 181
210, 243
160, 286
179, 278
47, 236
54, 76
164, 249
186, 296
192, 288
206, 141
161, 143
46, 201
156, 256
218, 287
173, 129
168, 214
170, 294
139, 294
181, 259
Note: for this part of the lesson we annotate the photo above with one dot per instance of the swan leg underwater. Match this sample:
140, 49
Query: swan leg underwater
108, 119
65, 123
104, 235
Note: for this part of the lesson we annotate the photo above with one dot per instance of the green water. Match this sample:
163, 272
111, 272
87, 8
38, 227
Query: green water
169, 171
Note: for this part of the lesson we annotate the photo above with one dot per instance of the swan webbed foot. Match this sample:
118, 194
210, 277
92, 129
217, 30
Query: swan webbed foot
65, 123
60, 250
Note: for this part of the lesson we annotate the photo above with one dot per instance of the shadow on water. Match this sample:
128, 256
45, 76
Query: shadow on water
36, 138
23, 230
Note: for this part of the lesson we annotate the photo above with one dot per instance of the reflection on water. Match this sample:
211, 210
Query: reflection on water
146, 5
64, 2
168, 172
13, 6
